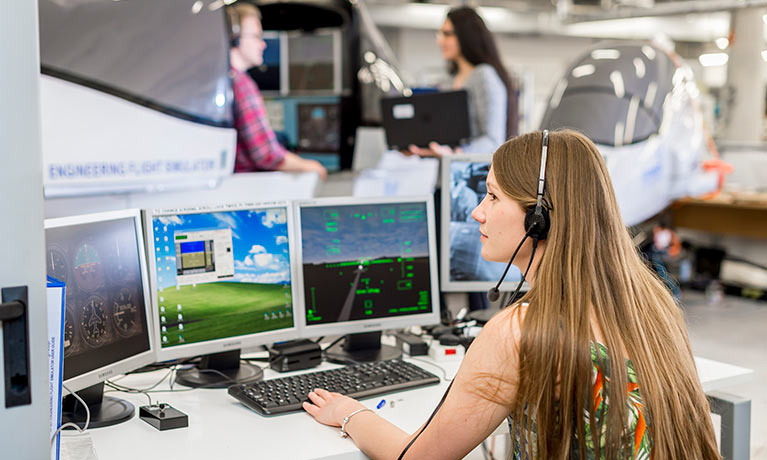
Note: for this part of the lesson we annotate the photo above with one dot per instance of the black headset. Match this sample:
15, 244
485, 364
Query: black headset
537, 220
234, 26
537, 223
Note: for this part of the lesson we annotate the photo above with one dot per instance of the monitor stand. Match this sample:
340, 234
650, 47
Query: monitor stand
219, 370
361, 348
105, 410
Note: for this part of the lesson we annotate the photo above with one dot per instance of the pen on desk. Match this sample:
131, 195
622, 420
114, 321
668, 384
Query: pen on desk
381, 404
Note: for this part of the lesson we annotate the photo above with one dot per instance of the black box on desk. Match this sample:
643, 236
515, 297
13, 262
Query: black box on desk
411, 344
163, 417
294, 355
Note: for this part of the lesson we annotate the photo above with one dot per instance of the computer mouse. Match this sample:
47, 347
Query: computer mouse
439, 331
449, 339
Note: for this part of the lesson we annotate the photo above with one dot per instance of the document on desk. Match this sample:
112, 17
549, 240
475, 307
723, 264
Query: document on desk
55, 295
398, 175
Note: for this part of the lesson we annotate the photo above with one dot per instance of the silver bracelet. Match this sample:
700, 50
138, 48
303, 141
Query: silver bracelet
344, 434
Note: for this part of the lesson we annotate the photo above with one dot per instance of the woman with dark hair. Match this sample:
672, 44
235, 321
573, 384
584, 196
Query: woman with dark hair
475, 65
593, 362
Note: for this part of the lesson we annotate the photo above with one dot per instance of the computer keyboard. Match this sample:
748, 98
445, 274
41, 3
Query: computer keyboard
285, 394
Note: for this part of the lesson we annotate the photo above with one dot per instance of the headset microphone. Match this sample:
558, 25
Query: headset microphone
537, 223
493, 293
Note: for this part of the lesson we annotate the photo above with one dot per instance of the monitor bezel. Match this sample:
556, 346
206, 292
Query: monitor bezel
229, 343
130, 363
445, 282
377, 324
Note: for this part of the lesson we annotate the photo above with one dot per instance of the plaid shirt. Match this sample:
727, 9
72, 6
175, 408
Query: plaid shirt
257, 146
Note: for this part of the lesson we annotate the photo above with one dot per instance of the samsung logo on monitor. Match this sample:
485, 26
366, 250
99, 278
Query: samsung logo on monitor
106, 374
372, 326
232, 344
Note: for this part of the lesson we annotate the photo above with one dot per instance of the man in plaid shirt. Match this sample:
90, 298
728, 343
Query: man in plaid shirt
257, 146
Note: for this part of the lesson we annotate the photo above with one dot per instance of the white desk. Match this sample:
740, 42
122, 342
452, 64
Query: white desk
717, 375
222, 428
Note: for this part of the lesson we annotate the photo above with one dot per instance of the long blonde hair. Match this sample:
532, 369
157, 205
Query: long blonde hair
590, 265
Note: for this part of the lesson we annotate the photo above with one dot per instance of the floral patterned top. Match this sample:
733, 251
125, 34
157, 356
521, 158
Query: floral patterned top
637, 423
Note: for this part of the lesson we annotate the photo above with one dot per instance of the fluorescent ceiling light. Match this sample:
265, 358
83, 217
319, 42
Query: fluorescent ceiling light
713, 59
648, 51
639, 67
605, 54
583, 70
617, 79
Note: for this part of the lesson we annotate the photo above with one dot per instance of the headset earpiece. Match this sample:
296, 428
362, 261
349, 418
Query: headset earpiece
233, 20
537, 223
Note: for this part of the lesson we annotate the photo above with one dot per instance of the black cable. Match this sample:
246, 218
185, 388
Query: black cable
444, 396
168, 374
524, 277
444, 372
126, 390
216, 371
441, 401
163, 365
486, 452
493, 292
334, 342
319, 340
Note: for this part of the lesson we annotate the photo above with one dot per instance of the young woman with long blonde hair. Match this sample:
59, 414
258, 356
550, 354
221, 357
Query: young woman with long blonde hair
593, 362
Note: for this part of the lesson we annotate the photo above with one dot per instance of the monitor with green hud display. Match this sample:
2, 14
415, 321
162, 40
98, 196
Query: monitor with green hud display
222, 280
367, 265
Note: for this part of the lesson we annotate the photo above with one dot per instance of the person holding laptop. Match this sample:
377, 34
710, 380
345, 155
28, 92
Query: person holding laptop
475, 66
593, 362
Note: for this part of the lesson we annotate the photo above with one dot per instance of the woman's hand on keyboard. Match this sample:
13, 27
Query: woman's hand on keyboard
330, 408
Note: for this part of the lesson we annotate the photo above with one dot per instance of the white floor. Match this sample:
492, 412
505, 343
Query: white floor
733, 331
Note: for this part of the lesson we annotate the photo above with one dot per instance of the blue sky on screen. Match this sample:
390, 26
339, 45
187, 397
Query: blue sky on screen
259, 243
357, 239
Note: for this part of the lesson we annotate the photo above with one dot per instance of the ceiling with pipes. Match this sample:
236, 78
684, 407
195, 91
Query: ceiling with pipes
593, 9
690, 21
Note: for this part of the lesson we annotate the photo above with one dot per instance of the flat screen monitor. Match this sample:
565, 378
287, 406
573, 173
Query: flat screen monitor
319, 128
101, 259
314, 61
366, 265
222, 279
462, 267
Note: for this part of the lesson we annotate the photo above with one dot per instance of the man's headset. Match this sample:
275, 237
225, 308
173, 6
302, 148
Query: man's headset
234, 26
537, 223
